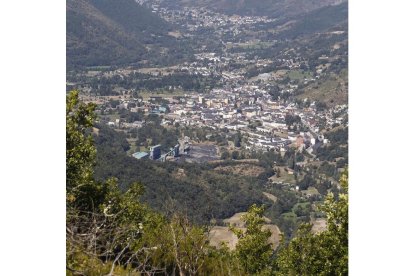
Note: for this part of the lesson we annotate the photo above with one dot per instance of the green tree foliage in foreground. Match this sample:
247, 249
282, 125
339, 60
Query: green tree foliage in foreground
109, 232
80, 150
325, 253
102, 223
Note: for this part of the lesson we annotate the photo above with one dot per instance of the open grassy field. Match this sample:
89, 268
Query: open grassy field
98, 68
100, 99
164, 94
251, 45
132, 144
222, 234
310, 191
285, 177
156, 70
280, 28
241, 169
299, 75
235, 219
332, 91
279, 74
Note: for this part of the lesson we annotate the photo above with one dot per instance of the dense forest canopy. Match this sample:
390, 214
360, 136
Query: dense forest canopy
202, 193
121, 32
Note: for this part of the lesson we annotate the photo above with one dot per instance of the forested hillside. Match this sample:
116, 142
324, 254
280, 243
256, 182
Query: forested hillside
318, 21
198, 191
113, 32
132, 17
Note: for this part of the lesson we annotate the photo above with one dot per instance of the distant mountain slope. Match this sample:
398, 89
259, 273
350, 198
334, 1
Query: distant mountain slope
274, 8
132, 17
320, 20
109, 32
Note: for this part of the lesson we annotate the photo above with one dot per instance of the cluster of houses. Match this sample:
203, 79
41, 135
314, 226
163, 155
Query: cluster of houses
246, 109
196, 18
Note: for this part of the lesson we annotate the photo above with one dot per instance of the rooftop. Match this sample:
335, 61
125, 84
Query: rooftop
140, 155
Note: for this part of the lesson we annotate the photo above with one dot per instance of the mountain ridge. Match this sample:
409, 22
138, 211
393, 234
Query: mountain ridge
97, 33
